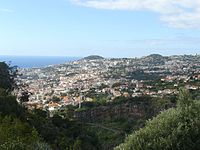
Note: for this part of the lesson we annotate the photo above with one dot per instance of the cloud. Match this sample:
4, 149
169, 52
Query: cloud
6, 10
170, 41
175, 13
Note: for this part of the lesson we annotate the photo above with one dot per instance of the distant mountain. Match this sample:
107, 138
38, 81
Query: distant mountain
93, 57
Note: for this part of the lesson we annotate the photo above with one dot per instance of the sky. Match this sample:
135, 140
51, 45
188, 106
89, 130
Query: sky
110, 28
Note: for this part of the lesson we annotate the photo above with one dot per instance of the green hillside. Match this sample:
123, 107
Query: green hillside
174, 129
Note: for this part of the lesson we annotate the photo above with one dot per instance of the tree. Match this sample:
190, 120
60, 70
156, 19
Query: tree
55, 99
8, 82
7, 76
184, 98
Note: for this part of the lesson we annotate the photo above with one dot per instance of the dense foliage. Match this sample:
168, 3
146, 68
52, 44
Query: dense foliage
7, 76
17, 135
176, 128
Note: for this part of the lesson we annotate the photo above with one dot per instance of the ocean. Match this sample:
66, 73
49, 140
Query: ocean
35, 61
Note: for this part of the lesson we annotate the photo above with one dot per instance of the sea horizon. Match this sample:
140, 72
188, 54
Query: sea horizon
35, 61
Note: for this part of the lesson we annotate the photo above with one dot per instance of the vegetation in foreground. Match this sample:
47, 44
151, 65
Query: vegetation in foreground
174, 129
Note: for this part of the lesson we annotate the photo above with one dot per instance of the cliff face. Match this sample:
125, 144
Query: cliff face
129, 110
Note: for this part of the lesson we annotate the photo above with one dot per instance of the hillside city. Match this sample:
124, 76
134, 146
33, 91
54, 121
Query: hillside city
87, 79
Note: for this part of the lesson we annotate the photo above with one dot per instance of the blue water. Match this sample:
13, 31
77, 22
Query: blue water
35, 61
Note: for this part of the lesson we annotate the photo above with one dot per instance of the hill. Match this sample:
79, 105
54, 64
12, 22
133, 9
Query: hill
93, 57
154, 59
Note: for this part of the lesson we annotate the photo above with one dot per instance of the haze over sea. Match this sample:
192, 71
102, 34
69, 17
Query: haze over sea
35, 61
